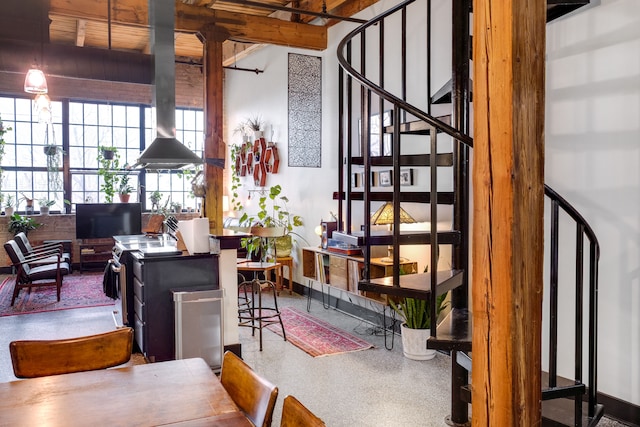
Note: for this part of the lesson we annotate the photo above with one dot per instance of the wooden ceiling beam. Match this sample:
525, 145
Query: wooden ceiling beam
81, 32
241, 27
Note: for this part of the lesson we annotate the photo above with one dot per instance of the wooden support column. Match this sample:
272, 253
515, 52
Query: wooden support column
508, 187
214, 146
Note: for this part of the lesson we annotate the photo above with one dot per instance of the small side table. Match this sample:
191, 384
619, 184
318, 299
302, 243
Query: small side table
286, 261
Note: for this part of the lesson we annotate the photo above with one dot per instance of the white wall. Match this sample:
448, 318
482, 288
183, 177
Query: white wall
593, 160
592, 154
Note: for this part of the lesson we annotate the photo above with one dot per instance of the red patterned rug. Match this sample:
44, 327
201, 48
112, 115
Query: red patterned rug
314, 336
77, 291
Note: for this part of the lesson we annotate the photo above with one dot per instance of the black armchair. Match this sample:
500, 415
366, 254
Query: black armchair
30, 273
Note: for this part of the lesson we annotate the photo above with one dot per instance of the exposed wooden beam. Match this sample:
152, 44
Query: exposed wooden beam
249, 28
81, 32
508, 226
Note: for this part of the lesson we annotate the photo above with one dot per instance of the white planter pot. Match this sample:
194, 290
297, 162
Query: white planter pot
44, 210
414, 344
8, 211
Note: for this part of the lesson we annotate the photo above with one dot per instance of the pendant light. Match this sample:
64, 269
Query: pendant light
35, 82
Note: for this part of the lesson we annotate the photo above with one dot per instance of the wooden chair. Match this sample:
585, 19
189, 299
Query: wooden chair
39, 358
30, 274
254, 395
295, 414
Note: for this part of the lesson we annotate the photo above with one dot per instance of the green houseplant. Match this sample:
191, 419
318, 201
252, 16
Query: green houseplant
273, 212
417, 318
124, 188
45, 205
9, 204
108, 165
19, 223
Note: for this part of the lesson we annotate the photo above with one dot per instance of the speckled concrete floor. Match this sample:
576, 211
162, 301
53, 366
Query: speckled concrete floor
374, 387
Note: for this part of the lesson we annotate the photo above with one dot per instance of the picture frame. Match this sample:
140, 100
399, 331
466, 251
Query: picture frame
406, 177
385, 178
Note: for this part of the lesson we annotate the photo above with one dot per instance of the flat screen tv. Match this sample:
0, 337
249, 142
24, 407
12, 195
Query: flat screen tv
100, 220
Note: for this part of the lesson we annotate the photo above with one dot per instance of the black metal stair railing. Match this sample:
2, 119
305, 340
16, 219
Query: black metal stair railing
575, 387
367, 84
364, 88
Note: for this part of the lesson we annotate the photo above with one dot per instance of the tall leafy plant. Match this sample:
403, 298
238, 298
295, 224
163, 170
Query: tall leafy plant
108, 169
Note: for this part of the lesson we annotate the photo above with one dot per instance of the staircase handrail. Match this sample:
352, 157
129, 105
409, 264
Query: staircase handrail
418, 113
577, 217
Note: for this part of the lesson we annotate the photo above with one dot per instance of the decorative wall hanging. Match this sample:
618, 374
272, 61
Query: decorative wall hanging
305, 111
257, 159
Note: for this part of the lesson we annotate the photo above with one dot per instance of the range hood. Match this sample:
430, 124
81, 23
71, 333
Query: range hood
165, 152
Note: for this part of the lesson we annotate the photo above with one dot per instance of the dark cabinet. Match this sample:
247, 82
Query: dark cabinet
153, 280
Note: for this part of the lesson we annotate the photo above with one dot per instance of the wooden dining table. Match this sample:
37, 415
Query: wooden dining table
177, 392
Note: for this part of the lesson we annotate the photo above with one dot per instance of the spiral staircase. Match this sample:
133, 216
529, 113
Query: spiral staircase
428, 130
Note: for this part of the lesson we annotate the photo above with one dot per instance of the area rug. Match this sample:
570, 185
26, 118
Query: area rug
314, 336
77, 291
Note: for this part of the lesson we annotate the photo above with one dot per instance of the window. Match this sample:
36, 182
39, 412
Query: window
91, 125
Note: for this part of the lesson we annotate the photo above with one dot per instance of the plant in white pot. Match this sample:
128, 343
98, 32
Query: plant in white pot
255, 124
45, 205
9, 204
416, 316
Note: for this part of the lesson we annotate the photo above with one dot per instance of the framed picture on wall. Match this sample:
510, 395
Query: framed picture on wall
384, 178
406, 176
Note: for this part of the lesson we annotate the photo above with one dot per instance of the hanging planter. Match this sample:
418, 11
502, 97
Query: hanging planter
50, 150
108, 152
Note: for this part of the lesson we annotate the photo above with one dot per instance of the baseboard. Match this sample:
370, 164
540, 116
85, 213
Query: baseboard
619, 410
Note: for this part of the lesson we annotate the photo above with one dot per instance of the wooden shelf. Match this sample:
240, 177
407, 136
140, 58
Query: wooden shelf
94, 253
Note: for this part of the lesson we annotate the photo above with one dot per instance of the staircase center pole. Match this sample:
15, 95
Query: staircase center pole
460, 95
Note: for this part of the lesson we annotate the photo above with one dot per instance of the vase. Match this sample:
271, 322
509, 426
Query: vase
8, 210
124, 198
44, 210
284, 244
257, 134
414, 343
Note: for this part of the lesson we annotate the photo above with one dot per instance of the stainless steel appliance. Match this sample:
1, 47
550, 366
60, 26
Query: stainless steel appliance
199, 325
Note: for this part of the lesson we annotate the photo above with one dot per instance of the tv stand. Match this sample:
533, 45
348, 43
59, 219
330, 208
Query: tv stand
94, 251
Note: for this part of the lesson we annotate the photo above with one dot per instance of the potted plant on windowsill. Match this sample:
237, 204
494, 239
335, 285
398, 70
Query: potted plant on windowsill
9, 204
124, 189
416, 316
45, 205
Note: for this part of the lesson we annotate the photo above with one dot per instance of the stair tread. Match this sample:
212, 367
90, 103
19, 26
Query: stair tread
418, 127
442, 159
443, 197
560, 412
414, 285
454, 332
379, 237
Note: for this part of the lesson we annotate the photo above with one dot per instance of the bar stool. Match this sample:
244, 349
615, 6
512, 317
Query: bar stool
252, 312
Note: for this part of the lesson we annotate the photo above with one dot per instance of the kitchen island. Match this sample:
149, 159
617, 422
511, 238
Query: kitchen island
153, 268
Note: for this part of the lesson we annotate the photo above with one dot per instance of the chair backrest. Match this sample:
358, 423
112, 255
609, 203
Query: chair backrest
295, 414
23, 243
16, 257
254, 395
39, 358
